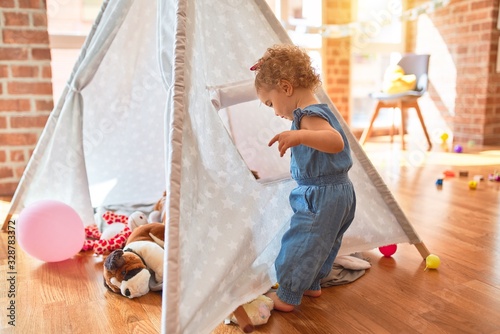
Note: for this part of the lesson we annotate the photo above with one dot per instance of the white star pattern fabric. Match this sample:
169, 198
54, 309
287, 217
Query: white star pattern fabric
137, 118
58, 168
125, 125
241, 230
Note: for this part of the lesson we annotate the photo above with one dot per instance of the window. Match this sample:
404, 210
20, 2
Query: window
68, 26
296, 16
377, 43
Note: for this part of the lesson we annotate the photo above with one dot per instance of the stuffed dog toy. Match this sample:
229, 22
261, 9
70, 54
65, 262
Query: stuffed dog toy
138, 268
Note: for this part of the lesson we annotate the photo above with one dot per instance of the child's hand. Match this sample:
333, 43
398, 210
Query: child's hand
286, 139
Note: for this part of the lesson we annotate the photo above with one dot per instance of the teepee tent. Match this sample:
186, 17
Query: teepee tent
161, 98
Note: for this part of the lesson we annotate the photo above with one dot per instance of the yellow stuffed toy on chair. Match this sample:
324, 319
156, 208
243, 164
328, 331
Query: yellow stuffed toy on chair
396, 81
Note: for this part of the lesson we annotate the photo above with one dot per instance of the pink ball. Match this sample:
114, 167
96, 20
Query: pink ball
50, 231
388, 250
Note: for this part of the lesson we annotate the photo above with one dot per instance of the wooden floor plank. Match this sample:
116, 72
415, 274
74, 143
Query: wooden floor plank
395, 296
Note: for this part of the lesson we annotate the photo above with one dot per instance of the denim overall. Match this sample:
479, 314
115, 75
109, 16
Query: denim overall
323, 206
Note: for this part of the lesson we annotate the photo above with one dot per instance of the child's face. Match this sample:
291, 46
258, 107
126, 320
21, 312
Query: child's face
279, 100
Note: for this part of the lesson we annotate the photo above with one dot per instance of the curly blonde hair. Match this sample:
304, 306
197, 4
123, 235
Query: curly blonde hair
288, 62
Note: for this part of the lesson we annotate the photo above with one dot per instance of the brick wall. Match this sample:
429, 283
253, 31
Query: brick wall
462, 39
336, 55
25, 85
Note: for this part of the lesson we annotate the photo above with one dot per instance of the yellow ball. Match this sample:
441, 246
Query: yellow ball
444, 137
432, 262
472, 184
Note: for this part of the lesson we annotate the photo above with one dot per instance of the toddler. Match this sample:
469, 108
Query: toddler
324, 200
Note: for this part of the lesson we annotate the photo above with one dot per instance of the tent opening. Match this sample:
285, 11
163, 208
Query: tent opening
251, 126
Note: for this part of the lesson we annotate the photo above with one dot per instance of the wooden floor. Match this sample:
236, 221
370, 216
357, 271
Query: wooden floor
396, 295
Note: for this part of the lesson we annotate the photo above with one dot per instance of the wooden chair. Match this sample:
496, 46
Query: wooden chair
411, 64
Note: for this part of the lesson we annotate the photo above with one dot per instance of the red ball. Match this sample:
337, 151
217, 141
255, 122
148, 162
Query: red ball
388, 250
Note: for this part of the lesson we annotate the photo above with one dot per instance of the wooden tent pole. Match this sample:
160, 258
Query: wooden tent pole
422, 249
243, 320
6, 221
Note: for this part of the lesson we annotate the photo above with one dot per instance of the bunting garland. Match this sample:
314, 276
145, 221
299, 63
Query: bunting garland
350, 29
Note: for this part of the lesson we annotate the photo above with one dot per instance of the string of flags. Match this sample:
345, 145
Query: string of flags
383, 18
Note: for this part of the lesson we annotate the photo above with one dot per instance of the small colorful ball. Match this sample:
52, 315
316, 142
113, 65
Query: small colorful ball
388, 250
458, 149
472, 185
432, 261
444, 137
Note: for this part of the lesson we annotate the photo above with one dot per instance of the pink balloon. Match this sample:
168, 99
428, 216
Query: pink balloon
50, 231
388, 250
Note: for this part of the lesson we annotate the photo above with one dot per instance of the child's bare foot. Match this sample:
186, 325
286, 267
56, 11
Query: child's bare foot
312, 293
279, 304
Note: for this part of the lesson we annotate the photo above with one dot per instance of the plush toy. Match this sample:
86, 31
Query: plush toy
113, 237
138, 268
258, 310
116, 233
396, 81
158, 213
137, 219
